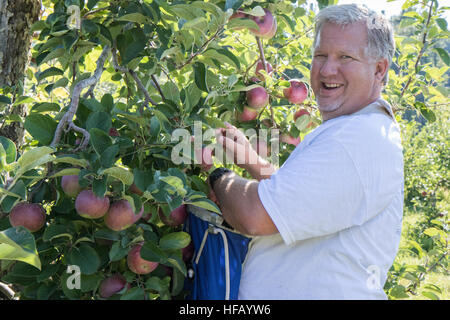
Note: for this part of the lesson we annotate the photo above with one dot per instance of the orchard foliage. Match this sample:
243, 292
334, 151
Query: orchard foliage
109, 83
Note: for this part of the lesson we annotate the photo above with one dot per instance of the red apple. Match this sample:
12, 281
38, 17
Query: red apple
267, 25
248, 114
287, 138
112, 285
121, 216
176, 217
70, 185
259, 67
297, 92
29, 215
257, 97
88, 205
301, 112
137, 264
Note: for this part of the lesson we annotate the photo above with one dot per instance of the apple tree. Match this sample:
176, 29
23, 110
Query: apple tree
92, 205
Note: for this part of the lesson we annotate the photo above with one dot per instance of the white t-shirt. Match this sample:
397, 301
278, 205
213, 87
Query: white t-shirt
337, 202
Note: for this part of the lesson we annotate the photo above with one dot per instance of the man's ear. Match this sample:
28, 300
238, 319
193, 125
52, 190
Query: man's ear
382, 67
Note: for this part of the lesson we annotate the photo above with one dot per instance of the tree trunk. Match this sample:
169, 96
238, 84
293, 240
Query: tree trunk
16, 18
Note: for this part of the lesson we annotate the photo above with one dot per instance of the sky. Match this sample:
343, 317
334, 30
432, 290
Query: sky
390, 8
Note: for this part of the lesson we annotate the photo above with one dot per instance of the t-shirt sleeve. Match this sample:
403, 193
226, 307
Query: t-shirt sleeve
315, 193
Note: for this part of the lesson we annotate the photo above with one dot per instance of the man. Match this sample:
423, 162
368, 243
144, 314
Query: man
327, 224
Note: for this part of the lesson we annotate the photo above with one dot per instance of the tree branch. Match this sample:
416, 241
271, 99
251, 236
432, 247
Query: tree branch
138, 81
67, 119
155, 81
202, 48
422, 50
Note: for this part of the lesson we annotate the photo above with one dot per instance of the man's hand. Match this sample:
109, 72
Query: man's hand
237, 147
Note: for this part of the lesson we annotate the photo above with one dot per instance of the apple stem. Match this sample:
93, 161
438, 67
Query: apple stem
155, 81
261, 53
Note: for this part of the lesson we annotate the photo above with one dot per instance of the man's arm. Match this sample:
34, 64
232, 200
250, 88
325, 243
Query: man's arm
241, 206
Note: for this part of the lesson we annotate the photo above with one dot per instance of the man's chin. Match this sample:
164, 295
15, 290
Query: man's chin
328, 107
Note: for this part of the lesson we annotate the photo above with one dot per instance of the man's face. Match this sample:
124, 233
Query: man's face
343, 78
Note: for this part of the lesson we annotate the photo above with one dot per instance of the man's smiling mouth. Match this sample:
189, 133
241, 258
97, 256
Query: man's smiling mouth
331, 86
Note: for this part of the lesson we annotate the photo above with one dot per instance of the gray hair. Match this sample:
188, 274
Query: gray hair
380, 34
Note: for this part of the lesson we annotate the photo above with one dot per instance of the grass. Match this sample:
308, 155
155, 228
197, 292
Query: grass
439, 276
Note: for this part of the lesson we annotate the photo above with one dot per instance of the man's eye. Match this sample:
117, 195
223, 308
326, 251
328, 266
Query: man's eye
346, 57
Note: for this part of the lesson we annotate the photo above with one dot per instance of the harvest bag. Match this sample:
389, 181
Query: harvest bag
215, 270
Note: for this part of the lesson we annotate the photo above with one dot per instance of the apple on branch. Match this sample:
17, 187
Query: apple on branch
70, 185
247, 114
28, 215
257, 97
121, 215
176, 217
267, 25
112, 285
88, 205
302, 112
259, 67
137, 264
297, 91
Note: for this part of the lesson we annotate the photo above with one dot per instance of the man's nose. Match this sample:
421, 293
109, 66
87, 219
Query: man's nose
329, 67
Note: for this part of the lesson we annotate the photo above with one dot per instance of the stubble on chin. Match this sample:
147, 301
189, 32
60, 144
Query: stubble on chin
328, 106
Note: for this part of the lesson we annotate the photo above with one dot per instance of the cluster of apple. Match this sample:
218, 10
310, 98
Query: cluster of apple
117, 216
258, 98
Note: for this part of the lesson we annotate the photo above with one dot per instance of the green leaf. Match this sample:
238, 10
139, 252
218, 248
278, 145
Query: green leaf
54, 231
99, 186
86, 258
108, 102
151, 252
431, 232
71, 160
107, 158
50, 72
100, 120
23, 100
135, 293
425, 111
444, 55
100, 140
134, 17
158, 284
430, 295
66, 172
10, 150
200, 76
32, 159
41, 127
177, 262
442, 23
121, 174
117, 252
56, 53
239, 23
42, 107
302, 122
205, 204
175, 240
176, 183
398, 292
19, 244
